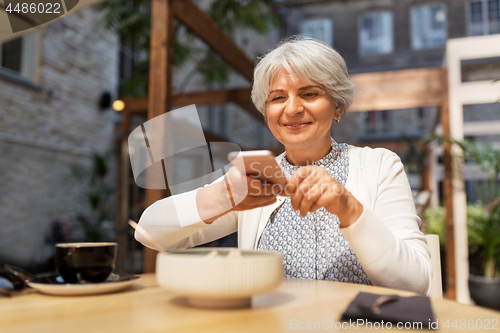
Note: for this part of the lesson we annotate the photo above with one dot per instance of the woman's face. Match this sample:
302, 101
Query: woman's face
300, 113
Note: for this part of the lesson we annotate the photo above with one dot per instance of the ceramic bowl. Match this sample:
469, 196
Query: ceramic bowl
226, 278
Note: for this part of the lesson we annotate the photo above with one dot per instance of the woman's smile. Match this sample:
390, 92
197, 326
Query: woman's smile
294, 126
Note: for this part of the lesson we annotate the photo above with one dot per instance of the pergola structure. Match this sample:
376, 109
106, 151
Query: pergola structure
403, 89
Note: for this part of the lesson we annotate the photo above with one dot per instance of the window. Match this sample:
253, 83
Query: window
17, 57
321, 29
376, 35
371, 122
483, 17
428, 27
379, 122
422, 119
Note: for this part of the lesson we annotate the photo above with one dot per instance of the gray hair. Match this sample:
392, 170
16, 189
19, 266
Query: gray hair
308, 59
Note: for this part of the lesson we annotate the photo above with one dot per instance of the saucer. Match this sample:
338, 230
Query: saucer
55, 285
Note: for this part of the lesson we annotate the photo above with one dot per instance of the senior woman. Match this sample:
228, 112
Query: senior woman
347, 214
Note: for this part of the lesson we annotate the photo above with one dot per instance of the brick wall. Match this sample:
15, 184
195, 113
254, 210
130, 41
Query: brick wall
43, 130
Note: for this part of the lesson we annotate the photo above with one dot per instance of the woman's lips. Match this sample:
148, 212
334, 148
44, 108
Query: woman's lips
296, 126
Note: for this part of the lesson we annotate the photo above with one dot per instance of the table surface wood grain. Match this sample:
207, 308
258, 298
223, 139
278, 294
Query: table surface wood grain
145, 307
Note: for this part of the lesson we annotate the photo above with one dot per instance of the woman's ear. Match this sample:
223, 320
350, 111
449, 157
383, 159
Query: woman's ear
337, 113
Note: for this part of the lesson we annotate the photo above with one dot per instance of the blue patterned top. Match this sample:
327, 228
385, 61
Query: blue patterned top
313, 247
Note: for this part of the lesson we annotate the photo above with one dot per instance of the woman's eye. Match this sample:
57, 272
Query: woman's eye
277, 98
311, 94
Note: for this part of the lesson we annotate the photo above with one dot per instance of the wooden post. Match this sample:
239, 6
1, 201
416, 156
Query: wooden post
425, 173
451, 291
122, 187
160, 86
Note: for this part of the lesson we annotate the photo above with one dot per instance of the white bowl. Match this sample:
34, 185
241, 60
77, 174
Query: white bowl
221, 281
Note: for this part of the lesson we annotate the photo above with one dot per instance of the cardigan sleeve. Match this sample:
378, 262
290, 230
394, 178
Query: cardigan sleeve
174, 223
386, 237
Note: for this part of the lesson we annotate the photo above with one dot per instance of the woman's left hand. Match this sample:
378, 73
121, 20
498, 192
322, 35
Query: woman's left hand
311, 187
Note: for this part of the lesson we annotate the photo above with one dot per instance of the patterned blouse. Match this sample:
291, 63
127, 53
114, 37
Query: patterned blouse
313, 247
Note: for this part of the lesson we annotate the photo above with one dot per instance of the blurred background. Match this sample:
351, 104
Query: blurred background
73, 89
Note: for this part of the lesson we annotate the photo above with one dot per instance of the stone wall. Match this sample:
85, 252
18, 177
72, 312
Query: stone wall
45, 129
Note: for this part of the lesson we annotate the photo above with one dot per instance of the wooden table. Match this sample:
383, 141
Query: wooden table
145, 307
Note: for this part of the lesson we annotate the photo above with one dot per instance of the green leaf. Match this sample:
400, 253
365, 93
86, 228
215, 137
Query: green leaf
214, 69
435, 218
181, 53
231, 15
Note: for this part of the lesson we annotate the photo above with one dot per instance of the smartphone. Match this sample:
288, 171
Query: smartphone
259, 164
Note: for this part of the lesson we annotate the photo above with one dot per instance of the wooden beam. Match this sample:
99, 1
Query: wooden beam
202, 97
135, 105
239, 96
160, 87
401, 89
451, 291
219, 96
205, 28
399, 146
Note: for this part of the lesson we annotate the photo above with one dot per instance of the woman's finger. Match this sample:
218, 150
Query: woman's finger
296, 178
325, 196
302, 189
309, 199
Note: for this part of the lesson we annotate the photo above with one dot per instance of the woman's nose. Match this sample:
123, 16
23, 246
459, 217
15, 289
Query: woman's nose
294, 106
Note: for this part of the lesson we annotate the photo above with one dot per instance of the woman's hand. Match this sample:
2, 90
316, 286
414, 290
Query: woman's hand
246, 192
236, 192
311, 187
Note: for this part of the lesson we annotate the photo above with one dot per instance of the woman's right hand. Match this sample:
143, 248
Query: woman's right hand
246, 192
236, 192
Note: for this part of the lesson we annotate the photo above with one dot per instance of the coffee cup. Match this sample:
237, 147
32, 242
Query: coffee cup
85, 262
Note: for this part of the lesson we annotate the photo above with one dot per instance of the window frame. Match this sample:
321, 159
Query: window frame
485, 14
429, 30
30, 60
360, 29
329, 22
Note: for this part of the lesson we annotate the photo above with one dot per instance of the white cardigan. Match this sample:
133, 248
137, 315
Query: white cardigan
386, 237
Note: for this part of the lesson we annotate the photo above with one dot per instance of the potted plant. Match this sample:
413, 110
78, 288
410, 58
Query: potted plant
484, 226
484, 245
484, 249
